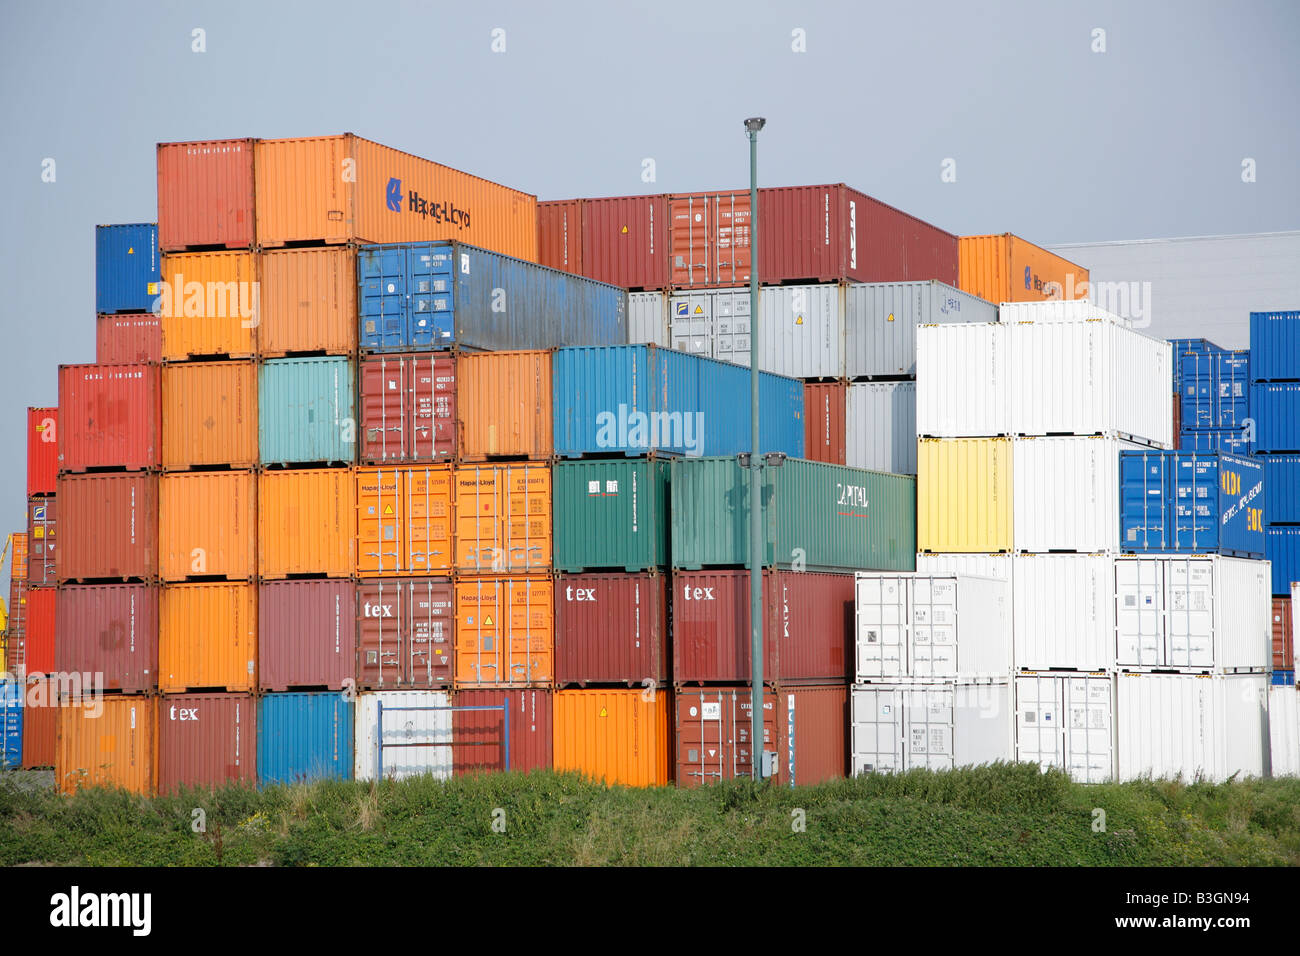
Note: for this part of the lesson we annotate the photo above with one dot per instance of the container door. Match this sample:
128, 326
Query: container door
691, 223
1196, 503
933, 649
384, 393
380, 512
1143, 485
1139, 613
428, 650
1087, 724
479, 626
431, 297
1040, 735
877, 730
928, 737
478, 520
426, 530
526, 525
691, 323
530, 640
379, 634
381, 272
1189, 612
433, 407
881, 627
732, 323
704, 735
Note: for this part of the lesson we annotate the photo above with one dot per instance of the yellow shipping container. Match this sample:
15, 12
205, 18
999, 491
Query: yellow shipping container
503, 518
114, 743
1007, 268
505, 632
503, 401
207, 523
209, 305
308, 301
617, 736
307, 523
963, 495
209, 414
207, 637
404, 522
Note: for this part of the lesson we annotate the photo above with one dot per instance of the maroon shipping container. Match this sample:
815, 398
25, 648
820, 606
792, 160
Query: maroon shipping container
559, 235
306, 634
823, 414
404, 633
477, 735
39, 654
611, 629
109, 629
206, 740
711, 235
42, 450
40, 723
109, 417
42, 537
108, 527
1283, 638
205, 195
129, 339
408, 407
625, 241
807, 727
807, 626
1178, 415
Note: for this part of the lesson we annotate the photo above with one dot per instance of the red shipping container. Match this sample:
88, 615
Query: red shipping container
128, 339
711, 235
625, 241
824, 409
559, 235
611, 629
206, 740
42, 450
807, 626
806, 726
306, 634
477, 734
40, 723
109, 629
404, 633
408, 407
16, 643
109, 527
205, 195
1283, 638
40, 654
110, 417
42, 537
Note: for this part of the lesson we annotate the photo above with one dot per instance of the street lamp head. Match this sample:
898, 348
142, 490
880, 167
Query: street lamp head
755, 123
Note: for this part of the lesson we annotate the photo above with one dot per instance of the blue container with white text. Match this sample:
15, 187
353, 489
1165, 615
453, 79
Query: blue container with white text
1191, 503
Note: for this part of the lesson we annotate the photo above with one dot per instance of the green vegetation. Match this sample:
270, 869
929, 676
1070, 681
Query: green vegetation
998, 815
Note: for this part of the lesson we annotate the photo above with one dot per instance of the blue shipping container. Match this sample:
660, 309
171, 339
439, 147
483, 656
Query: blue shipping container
638, 399
1183, 347
1275, 346
127, 267
1276, 408
434, 295
1230, 440
306, 410
1191, 503
304, 737
1282, 479
1215, 389
11, 724
1282, 548
1284, 678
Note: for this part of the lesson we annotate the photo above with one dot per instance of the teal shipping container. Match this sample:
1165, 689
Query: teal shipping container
302, 737
817, 516
610, 514
306, 411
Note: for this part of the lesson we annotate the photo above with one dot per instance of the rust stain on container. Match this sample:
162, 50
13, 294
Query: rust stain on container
404, 519
109, 629
306, 634
505, 631
611, 629
207, 637
308, 301
206, 740
209, 414
205, 194
404, 633
207, 525
615, 736
408, 407
113, 745
478, 734
209, 305
109, 417
108, 527
824, 413
306, 523
505, 405
503, 518
128, 339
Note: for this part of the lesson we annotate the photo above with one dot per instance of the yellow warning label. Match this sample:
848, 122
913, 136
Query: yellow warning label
38, 532
153, 288
604, 712
798, 320
623, 230
130, 250
699, 310
487, 621
891, 317
388, 509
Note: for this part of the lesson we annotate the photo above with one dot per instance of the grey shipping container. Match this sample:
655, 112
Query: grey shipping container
880, 320
880, 426
647, 319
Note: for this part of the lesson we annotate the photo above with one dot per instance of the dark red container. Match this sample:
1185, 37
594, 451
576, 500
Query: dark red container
42, 537
711, 236
807, 627
1283, 638
306, 634
110, 417
108, 527
823, 413
205, 195
625, 241
807, 727
559, 235
128, 339
477, 735
408, 407
206, 740
40, 723
1178, 416
611, 629
42, 450
404, 633
109, 629
40, 654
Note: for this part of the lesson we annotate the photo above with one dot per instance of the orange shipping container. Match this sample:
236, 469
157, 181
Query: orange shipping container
209, 305
308, 301
617, 736
206, 522
503, 518
1007, 268
404, 520
304, 194
41, 722
504, 405
114, 744
209, 414
207, 637
306, 523
505, 632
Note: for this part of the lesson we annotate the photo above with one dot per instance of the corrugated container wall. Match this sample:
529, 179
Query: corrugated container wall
961, 378
1065, 494
109, 417
504, 406
881, 319
1280, 473
611, 514
206, 741
209, 305
964, 495
306, 634
1282, 549
505, 631
1276, 409
404, 519
205, 195
109, 629
127, 271
647, 319
559, 235
503, 518
42, 542
625, 241
306, 410
207, 525
128, 339
41, 631
478, 734
306, 523
209, 414
1284, 632
1275, 346
207, 637
408, 407
1231, 440
404, 633
114, 747
880, 420
109, 527
304, 737
615, 736
41, 723
1284, 731
824, 410
1064, 608
939, 726
1214, 389
308, 301
1007, 268
611, 629
413, 720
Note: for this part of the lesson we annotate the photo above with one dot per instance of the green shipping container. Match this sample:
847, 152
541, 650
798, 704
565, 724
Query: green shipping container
611, 513
818, 516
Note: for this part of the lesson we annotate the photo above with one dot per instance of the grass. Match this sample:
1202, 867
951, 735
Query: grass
999, 815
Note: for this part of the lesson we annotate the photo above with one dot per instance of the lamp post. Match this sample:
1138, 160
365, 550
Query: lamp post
757, 539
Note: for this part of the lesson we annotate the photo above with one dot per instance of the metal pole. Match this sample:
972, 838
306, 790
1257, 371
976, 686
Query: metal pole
757, 540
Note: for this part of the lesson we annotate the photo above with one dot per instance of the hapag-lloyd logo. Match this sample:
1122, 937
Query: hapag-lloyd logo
424, 207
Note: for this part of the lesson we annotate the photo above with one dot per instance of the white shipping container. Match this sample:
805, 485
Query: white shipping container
881, 318
1284, 731
979, 565
880, 426
403, 727
961, 381
647, 319
1066, 721
1056, 310
1202, 612
1063, 611
1191, 725
1065, 493
920, 626
906, 726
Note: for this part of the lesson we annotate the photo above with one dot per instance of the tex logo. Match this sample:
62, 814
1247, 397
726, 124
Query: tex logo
394, 195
